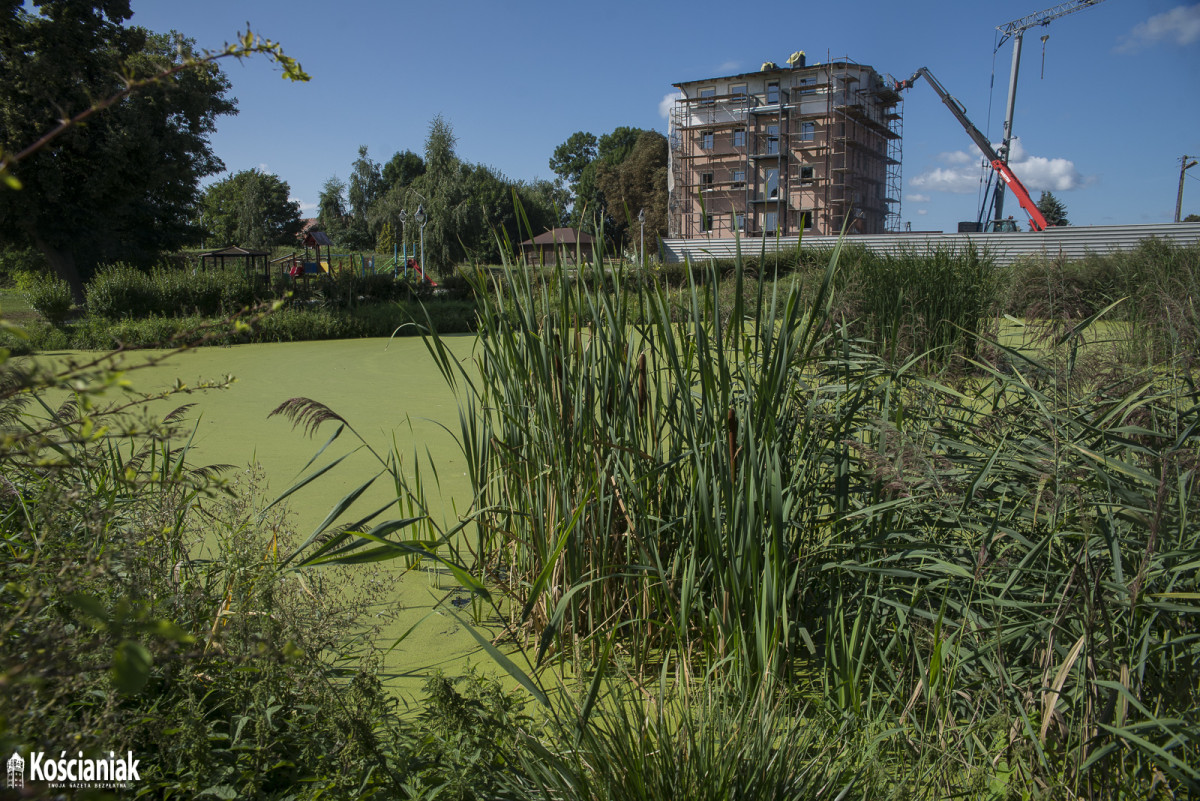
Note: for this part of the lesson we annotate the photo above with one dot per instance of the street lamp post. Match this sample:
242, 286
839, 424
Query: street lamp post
642, 223
404, 239
421, 219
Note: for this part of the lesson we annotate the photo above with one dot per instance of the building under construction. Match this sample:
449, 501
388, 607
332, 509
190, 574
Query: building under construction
802, 148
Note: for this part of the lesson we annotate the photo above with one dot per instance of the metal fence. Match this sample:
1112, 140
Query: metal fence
1070, 242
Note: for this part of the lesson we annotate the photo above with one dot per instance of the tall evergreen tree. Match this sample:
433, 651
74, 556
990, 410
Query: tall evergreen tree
1052, 209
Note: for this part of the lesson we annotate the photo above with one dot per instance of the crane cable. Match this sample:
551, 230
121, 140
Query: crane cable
987, 174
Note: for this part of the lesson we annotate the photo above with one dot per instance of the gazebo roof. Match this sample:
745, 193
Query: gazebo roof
234, 250
561, 236
317, 238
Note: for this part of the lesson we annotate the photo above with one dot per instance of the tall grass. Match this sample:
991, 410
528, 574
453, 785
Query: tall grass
1001, 568
997, 567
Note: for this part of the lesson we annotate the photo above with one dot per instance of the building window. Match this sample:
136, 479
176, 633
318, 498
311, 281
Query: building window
806, 86
807, 174
739, 221
739, 178
706, 96
773, 183
772, 93
770, 222
808, 131
706, 181
805, 218
772, 140
738, 91
706, 223
739, 137
706, 140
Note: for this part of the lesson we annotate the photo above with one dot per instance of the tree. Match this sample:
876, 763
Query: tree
331, 207
252, 209
1192, 218
125, 186
366, 185
572, 157
1052, 209
402, 169
636, 183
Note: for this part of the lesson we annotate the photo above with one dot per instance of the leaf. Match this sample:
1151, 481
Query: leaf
88, 605
503, 661
131, 666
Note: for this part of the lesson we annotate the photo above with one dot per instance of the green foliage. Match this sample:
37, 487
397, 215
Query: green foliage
251, 209
387, 239
124, 187
1157, 284
15, 261
572, 157
48, 295
636, 181
762, 495
931, 305
331, 208
123, 291
1052, 209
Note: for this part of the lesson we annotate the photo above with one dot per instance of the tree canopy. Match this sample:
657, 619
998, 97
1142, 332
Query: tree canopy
472, 209
126, 185
1052, 209
251, 209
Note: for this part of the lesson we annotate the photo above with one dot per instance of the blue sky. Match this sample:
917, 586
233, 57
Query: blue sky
1102, 117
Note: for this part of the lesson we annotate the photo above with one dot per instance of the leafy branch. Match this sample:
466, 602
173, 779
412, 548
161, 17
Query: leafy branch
247, 45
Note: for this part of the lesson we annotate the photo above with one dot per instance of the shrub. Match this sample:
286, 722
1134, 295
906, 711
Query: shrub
49, 296
120, 290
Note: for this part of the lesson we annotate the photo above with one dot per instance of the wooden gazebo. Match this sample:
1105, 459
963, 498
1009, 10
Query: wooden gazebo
544, 248
254, 262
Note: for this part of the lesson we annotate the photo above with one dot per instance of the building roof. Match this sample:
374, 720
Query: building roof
786, 68
314, 238
561, 236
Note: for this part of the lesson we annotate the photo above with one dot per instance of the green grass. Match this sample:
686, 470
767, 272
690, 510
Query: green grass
15, 307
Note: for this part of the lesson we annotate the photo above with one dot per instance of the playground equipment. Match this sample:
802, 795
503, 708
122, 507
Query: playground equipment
319, 261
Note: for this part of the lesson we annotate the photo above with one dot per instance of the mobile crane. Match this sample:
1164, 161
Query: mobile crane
1037, 222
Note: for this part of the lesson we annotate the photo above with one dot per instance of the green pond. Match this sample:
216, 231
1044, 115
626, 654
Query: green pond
391, 392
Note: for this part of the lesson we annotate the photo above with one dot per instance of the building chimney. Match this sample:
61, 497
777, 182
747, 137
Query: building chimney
796, 59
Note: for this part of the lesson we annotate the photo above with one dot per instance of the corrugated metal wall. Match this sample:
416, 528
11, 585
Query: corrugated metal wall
1072, 242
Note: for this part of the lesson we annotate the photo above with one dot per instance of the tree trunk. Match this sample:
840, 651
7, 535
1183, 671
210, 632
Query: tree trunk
63, 264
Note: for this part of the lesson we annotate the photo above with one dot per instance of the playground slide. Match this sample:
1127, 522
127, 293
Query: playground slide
415, 267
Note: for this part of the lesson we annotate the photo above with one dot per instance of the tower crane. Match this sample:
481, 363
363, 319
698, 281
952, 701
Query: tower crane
1015, 30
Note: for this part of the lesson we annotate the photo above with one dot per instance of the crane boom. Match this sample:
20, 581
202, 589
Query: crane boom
1037, 220
1019, 26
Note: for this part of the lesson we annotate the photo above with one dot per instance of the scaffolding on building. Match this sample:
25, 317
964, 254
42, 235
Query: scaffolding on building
819, 156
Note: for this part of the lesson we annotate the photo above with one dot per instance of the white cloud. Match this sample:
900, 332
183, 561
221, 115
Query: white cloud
264, 168
306, 209
919, 198
922, 212
729, 67
958, 157
1179, 26
962, 176
960, 180
667, 103
1038, 172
